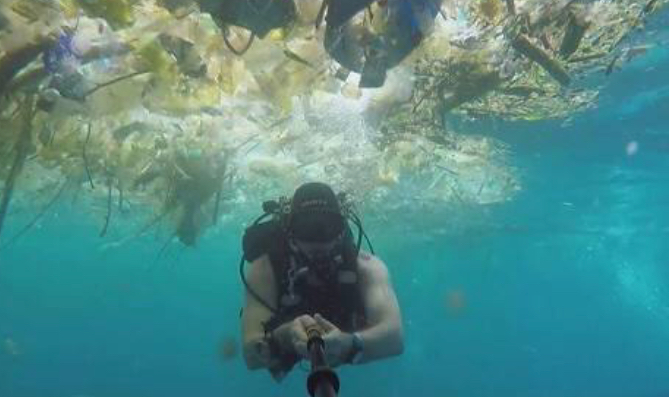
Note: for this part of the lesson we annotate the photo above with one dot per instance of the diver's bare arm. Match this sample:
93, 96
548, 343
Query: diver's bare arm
261, 279
383, 336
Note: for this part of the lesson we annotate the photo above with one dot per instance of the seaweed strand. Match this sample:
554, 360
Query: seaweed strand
120, 198
650, 5
114, 81
163, 249
217, 204
103, 232
21, 148
52, 137
37, 217
141, 231
219, 192
88, 171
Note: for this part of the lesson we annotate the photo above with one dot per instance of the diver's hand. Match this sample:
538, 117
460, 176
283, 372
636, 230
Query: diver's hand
338, 344
292, 336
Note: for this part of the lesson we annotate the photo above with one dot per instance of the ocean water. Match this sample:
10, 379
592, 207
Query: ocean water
561, 292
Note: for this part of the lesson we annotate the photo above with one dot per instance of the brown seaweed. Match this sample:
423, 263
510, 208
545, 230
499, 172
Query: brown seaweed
146, 176
30, 79
114, 81
21, 152
219, 194
13, 62
588, 57
195, 182
144, 229
217, 204
576, 28
105, 226
524, 45
294, 57
549, 16
85, 157
466, 91
37, 217
649, 7
511, 7
612, 65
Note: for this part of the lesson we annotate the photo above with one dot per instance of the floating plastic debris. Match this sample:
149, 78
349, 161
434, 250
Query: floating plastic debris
187, 126
632, 148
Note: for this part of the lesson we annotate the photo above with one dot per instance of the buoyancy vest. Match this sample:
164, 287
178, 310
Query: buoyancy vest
338, 298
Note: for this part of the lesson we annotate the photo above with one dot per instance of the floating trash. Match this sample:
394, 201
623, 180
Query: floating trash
154, 105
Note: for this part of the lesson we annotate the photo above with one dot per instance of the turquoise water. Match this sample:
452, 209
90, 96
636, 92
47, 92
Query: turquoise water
562, 292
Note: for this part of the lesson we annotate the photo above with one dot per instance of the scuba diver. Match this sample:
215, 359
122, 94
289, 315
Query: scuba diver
306, 271
370, 46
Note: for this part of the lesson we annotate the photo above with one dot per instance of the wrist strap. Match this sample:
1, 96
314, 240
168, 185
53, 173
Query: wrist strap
355, 353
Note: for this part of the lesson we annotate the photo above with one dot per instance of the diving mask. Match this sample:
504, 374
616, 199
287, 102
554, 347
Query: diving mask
322, 258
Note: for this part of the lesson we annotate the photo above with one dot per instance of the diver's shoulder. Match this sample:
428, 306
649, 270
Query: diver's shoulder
369, 261
262, 264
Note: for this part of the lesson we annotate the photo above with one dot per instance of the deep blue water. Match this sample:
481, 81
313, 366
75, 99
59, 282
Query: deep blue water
564, 290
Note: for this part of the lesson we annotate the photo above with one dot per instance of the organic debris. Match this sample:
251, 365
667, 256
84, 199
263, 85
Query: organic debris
171, 108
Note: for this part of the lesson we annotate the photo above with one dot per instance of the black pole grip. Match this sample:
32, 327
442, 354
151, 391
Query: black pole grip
322, 381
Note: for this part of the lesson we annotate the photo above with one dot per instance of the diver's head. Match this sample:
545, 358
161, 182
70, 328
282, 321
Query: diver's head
317, 227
